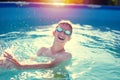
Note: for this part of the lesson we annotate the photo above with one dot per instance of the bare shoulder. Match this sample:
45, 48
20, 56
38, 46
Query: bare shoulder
41, 50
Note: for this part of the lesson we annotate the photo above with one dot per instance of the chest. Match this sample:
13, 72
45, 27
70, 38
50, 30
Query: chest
48, 53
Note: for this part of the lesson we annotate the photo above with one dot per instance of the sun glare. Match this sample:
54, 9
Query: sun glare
58, 2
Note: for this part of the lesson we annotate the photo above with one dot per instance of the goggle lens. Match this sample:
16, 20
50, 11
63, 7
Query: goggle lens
67, 32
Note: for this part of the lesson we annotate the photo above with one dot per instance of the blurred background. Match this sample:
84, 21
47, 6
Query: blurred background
93, 2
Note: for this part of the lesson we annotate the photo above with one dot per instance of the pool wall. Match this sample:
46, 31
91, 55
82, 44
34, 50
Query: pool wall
26, 15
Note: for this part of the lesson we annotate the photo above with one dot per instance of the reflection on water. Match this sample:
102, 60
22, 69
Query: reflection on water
95, 53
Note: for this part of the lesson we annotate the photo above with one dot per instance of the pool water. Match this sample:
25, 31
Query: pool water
95, 53
95, 43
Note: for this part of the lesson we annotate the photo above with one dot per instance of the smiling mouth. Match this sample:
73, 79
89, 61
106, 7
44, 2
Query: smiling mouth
61, 38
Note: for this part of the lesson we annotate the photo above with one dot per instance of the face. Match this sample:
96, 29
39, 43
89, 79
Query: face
62, 33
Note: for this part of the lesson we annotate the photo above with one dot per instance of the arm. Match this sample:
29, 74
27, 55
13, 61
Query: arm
35, 66
51, 64
40, 65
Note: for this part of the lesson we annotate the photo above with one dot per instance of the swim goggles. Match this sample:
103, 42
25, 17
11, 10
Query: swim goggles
66, 32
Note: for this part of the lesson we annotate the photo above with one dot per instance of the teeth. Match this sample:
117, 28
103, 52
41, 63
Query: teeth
61, 38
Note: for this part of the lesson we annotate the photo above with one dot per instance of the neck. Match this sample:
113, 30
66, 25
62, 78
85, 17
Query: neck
56, 48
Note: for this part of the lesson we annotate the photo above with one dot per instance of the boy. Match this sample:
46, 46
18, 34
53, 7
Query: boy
62, 34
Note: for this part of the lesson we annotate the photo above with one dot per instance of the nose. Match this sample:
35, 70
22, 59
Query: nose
62, 33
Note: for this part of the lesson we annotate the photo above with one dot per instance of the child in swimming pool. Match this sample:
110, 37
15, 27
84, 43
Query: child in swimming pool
62, 34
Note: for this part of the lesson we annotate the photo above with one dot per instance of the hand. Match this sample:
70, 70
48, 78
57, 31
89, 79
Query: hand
7, 55
10, 58
14, 61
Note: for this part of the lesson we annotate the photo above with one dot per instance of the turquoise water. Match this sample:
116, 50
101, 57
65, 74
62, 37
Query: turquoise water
95, 53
